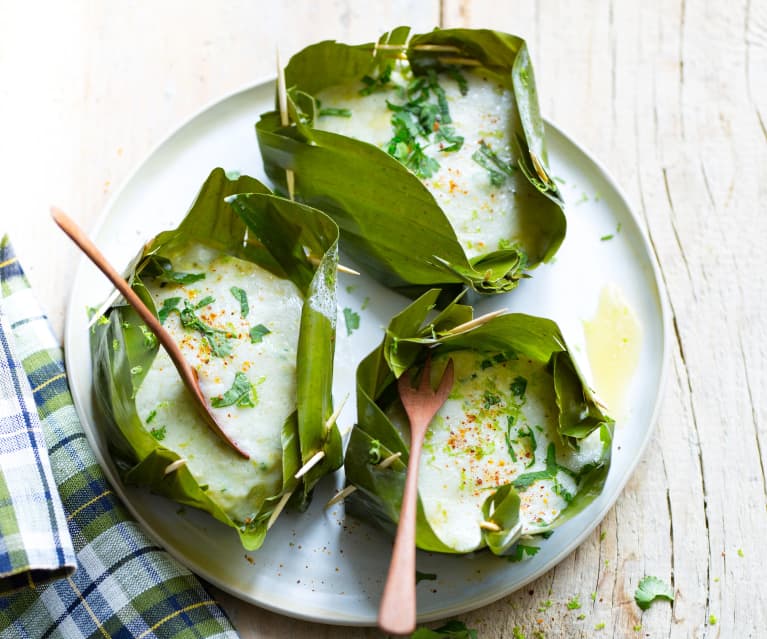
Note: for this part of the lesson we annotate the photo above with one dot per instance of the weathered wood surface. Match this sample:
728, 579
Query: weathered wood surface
670, 95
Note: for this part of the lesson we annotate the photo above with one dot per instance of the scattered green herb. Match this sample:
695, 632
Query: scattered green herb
545, 605
150, 339
490, 400
220, 346
239, 394
168, 305
712, 620
637, 627
603, 535
424, 576
333, 111
509, 426
158, 433
517, 633
161, 268
519, 386
451, 630
489, 160
605, 238
352, 320
115, 345
593, 596
460, 79
741, 553
151, 416
600, 626
581, 616
257, 333
574, 603
651, 588
242, 297
521, 551
365, 303
205, 301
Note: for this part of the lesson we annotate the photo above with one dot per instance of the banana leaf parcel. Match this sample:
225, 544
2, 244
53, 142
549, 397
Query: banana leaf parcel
428, 152
519, 447
246, 284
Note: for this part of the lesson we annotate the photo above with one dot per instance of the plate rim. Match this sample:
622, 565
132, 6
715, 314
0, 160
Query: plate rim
70, 323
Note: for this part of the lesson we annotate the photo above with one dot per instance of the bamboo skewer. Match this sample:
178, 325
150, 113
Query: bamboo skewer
282, 98
462, 328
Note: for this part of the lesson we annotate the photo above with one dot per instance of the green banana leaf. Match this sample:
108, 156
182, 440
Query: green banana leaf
243, 219
410, 337
390, 223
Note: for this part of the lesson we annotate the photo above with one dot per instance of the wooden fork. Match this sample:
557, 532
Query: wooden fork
398, 604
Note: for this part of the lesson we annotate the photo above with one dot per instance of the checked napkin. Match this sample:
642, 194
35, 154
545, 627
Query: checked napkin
73, 564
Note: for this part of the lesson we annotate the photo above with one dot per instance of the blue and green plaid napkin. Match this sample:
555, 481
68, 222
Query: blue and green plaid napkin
85, 569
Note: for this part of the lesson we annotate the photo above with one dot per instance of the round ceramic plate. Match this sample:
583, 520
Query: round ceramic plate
320, 565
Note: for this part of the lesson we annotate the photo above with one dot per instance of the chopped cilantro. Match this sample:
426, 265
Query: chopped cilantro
455, 74
333, 111
545, 605
490, 399
741, 553
489, 160
517, 633
604, 238
365, 303
712, 620
257, 333
522, 551
593, 596
574, 603
158, 433
424, 576
603, 535
581, 616
451, 630
519, 386
528, 433
168, 305
509, 425
651, 588
220, 346
242, 297
161, 268
637, 627
600, 626
205, 301
240, 394
352, 320
151, 416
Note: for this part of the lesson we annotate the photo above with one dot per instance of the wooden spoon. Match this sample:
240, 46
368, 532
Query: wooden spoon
397, 612
188, 374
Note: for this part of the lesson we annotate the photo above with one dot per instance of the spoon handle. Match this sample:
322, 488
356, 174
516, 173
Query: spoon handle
187, 373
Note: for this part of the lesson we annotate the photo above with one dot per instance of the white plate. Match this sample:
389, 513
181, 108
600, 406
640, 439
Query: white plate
318, 565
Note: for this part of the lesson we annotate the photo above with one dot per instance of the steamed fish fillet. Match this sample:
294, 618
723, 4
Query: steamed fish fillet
268, 364
477, 210
496, 426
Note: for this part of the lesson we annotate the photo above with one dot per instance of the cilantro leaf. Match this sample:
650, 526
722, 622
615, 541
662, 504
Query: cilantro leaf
519, 386
338, 112
168, 305
489, 160
651, 588
205, 301
242, 297
352, 320
521, 551
158, 433
257, 333
451, 630
239, 394
220, 345
161, 268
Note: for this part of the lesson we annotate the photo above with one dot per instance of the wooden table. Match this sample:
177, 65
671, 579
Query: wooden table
670, 95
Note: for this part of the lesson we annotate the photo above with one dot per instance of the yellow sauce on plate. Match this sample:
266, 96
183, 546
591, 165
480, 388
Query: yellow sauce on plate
613, 341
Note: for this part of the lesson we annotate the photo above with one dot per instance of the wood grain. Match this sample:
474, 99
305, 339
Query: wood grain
670, 94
